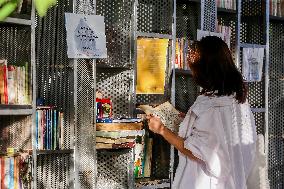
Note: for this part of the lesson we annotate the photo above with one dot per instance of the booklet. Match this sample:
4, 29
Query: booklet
169, 116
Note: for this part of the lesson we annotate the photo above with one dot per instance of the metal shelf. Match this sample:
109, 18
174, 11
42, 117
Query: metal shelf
154, 35
276, 18
226, 11
183, 72
19, 21
15, 109
68, 151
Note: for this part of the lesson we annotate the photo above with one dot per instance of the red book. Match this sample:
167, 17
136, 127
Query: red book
2, 172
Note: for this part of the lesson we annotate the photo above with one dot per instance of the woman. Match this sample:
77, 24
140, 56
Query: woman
216, 140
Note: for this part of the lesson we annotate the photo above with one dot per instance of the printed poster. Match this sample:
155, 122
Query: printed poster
253, 64
151, 65
85, 36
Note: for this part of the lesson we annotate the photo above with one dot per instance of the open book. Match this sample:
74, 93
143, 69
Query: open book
170, 117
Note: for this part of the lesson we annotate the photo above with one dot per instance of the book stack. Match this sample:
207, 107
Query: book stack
226, 30
182, 47
227, 4
49, 128
276, 7
14, 84
112, 136
13, 169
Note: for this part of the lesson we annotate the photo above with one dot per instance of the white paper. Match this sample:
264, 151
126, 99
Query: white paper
201, 34
252, 63
85, 36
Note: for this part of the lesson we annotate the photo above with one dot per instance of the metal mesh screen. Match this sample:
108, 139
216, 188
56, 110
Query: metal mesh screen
53, 171
186, 92
252, 22
115, 168
118, 14
15, 45
155, 16
54, 73
187, 16
15, 132
210, 16
55, 85
85, 127
276, 106
115, 84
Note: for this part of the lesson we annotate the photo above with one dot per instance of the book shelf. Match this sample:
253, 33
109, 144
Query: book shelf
17, 110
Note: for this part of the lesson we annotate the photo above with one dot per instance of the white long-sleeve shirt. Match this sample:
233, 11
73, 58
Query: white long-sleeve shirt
222, 134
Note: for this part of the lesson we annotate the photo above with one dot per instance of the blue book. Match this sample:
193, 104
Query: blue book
37, 129
54, 129
11, 173
50, 130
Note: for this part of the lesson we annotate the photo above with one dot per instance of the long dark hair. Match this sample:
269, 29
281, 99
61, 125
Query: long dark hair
214, 70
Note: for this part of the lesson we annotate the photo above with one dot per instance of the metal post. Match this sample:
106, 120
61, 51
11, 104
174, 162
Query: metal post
172, 153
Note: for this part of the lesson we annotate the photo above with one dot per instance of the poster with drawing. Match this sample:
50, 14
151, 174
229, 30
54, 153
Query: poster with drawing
85, 36
252, 64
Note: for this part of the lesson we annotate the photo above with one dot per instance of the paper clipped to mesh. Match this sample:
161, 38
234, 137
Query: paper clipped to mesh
169, 116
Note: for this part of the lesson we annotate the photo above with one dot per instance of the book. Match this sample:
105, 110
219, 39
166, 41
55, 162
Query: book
148, 157
11, 84
3, 82
169, 116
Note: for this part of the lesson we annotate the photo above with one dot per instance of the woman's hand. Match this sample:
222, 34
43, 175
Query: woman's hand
155, 124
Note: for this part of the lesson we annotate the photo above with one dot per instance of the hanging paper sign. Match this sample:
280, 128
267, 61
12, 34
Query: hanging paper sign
85, 36
252, 63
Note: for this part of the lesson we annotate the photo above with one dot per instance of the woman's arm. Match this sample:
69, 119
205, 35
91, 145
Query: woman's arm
157, 126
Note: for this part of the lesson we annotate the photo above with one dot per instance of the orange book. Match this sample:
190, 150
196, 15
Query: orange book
16, 172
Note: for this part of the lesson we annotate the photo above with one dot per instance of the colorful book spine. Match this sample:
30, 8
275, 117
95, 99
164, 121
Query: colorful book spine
49, 128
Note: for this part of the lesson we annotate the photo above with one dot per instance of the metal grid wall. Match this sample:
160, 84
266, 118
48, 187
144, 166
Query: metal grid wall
118, 15
252, 31
84, 102
155, 16
15, 131
53, 171
54, 72
186, 92
276, 106
209, 15
15, 44
55, 85
115, 169
188, 15
252, 22
85, 128
115, 84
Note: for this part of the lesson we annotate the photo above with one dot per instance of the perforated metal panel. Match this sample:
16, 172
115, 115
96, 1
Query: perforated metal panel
115, 168
115, 84
118, 15
209, 15
85, 128
276, 106
54, 73
55, 84
186, 92
155, 16
252, 22
53, 171
187, 21
15, 132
